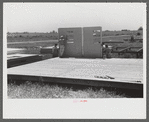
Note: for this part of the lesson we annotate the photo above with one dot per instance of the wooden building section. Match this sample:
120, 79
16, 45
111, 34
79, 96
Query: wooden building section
92, 42
82, 42
73, 44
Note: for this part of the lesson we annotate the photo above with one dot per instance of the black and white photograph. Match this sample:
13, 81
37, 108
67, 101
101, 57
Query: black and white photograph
74, 60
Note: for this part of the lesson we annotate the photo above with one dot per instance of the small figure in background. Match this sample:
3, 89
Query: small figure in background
132, 38
110, 51
55, 51
55, 46
61, 42
106, 50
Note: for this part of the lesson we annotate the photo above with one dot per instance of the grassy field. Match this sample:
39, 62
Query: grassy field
26, 36
20, 37
40, 90
128, 32
49, 39
44, 43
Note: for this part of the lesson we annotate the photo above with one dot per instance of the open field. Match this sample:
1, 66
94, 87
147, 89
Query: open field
21, 37
32, 40
32, 44
46, 43
25, 36
128, 32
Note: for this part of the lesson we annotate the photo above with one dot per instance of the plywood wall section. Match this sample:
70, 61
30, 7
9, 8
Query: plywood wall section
73, 45
82, 42
92, 42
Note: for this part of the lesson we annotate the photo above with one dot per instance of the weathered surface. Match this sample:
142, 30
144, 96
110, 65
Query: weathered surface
20, 59
122, 70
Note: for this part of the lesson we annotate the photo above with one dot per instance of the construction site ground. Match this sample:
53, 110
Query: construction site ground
82, 71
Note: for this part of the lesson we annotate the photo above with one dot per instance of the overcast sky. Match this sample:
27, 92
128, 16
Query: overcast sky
45, 17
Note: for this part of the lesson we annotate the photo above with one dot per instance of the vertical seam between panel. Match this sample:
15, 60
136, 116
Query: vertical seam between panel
101, 40
82, 42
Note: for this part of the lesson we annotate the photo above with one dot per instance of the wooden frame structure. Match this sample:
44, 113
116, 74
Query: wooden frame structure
128, 50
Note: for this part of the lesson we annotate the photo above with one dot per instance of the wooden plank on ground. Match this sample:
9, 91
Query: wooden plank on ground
21, 59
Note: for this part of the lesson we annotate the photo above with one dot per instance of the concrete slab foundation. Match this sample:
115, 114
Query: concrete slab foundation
126, 73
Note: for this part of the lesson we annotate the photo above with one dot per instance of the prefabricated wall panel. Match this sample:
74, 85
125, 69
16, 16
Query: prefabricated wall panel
73, 45
82, 42
92, 42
